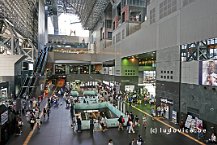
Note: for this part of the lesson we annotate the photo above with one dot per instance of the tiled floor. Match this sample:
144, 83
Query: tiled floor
57, 131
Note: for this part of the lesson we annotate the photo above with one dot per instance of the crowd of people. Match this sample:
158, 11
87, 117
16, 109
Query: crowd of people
132, 121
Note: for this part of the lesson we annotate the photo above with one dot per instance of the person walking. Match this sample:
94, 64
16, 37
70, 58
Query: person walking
38, 122
139, 141
132, 142
121, 122
137, 121
144, 119
110, 142
91, 125
153, 114
131, 127
44, 113
79, 124
32, 122
103, 124
48, 113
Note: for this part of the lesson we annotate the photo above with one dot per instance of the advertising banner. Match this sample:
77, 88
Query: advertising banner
188, 121
209, 73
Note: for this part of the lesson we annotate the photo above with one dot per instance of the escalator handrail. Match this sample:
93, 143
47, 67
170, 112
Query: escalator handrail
37, 61
23, 88
44, 63
41, 67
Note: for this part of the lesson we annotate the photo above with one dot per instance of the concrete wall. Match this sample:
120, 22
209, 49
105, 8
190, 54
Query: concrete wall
54, 56
200, 100
170, 91
66, 39
90, 77
190, 72
7, 67
42, 34
193, 22
168, 64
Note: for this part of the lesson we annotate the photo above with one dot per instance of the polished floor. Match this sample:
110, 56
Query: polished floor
57, 131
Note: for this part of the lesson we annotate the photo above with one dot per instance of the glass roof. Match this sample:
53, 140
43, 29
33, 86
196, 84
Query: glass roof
89, 11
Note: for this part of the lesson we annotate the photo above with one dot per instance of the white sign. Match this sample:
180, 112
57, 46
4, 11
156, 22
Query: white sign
4, 117
188, 121
166, 101
129, 88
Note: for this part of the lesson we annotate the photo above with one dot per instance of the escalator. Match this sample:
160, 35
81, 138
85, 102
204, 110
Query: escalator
44, 62
31, 81
38, 72
37, 62
24, 87
1, 26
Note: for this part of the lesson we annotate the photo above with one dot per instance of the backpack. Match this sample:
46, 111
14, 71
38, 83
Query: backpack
122, 120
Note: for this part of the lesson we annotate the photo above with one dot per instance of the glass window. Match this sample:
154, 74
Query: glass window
84, 69
60, 69
73, 69
109, 35
108, 23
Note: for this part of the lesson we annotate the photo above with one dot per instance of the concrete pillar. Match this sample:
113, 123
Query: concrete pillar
67, 69
42, 37
118, 105
12, 45
89, 69
140, 77
55, 24
79, 70
124, 108
121, 104
55, 18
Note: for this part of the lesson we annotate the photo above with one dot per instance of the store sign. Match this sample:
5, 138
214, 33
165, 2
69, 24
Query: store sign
4, 117
166, 101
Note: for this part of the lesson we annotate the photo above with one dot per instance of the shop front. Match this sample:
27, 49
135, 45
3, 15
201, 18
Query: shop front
167, 106
4, 128
4, 90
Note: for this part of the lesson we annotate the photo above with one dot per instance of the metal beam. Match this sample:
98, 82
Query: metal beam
22, 15
14, 44
199, 50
